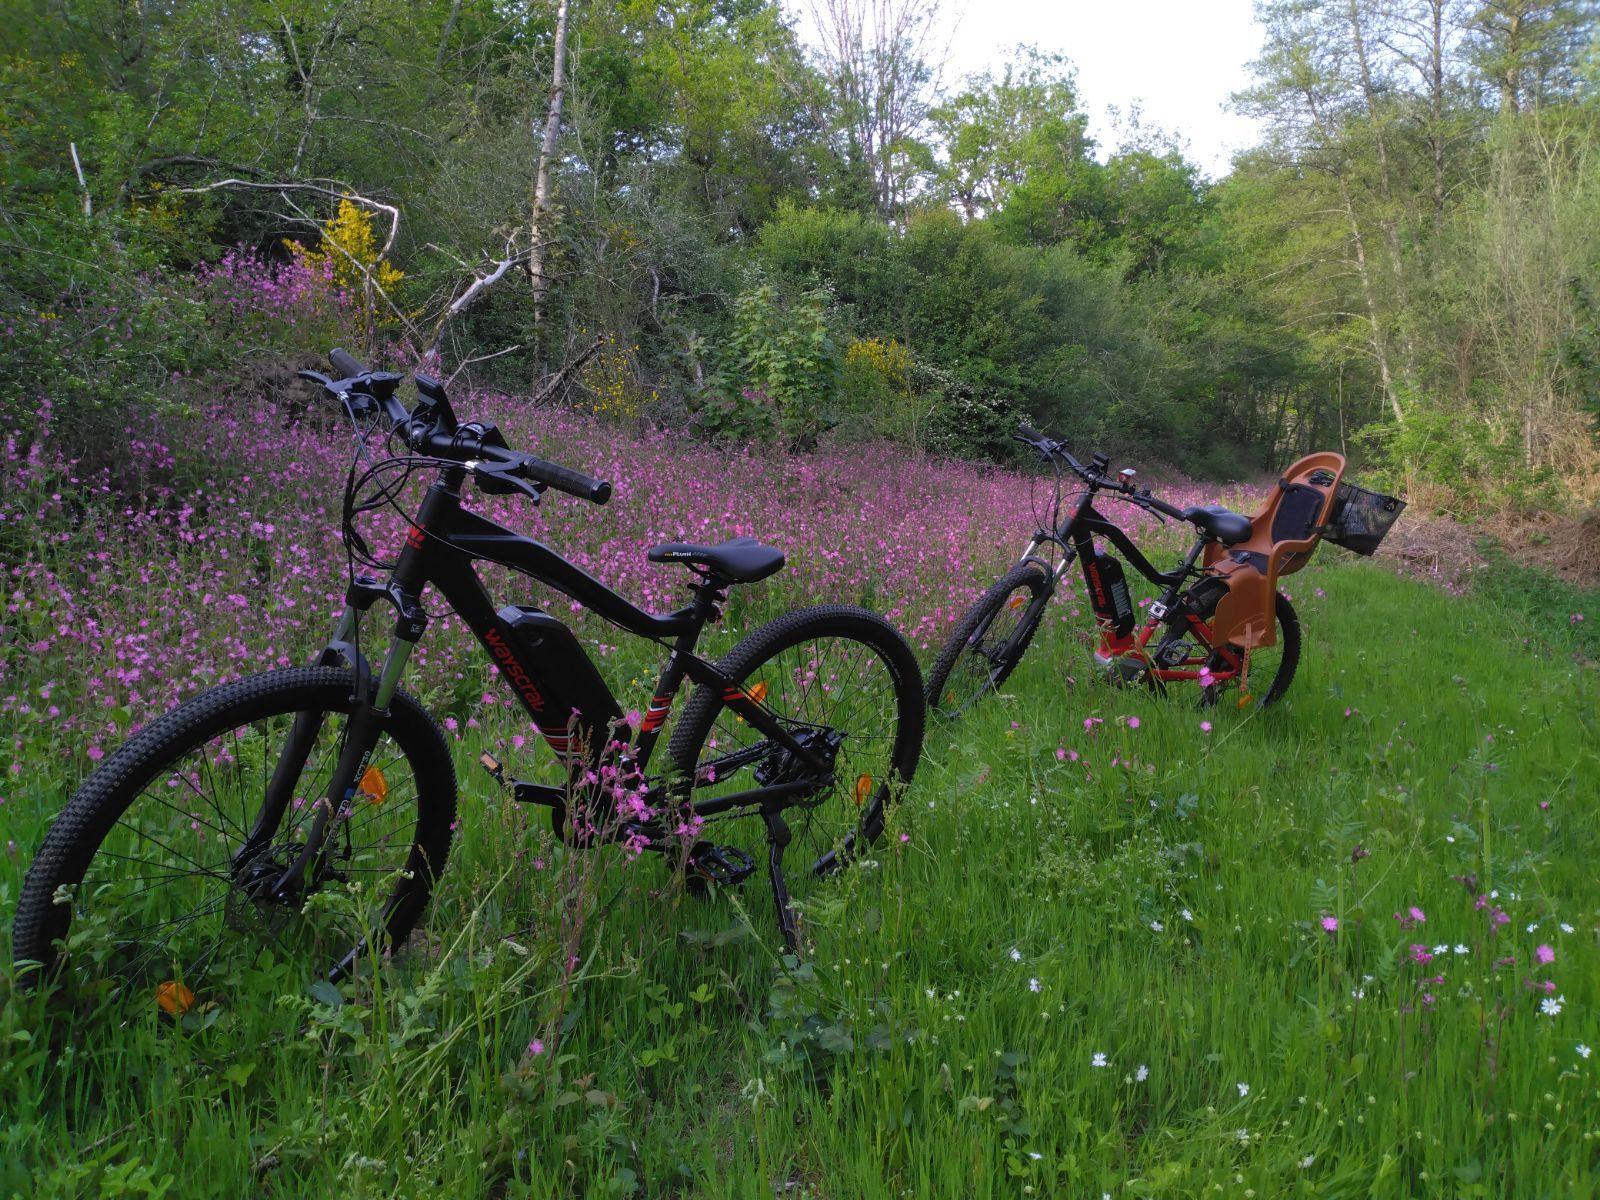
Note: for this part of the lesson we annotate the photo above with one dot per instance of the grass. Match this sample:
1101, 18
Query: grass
1155, 904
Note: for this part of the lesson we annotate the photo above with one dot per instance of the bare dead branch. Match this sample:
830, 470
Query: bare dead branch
388, 210
557, 381
467, 362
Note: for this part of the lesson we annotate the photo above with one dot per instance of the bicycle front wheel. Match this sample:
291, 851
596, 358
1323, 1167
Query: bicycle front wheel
989, 641
166, 866
833, 675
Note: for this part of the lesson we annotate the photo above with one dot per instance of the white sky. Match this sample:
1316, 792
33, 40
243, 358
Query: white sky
1177, 59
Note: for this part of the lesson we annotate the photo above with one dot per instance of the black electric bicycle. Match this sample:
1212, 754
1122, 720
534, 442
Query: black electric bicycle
1173, 643
229, 820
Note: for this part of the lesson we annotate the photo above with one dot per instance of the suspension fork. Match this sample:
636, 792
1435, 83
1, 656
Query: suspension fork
371, 706
302, 736
366, 724
1052, 571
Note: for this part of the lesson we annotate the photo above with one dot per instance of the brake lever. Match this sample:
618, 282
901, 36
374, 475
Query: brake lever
497, 480
358, 402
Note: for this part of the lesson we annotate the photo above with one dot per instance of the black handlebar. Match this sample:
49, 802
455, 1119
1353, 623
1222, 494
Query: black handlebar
345, 363
1161, 506
540, 471
1030, 436
1095, 474
565, 479
431, 429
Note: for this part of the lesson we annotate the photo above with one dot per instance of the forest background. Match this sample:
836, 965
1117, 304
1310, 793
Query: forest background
675, 213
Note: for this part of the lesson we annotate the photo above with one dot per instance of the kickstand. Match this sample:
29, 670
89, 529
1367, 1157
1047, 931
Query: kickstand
777, 840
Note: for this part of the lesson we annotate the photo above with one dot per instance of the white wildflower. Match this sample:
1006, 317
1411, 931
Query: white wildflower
1143, 1072
1244, 1089
1583, 1051
1552, 1008
1099, 1059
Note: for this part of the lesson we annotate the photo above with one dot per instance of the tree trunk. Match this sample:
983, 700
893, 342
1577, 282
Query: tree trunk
1380, 350
1389, 221
1436, 135
541, 186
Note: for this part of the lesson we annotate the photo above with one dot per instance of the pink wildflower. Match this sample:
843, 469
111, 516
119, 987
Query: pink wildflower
1330, 924
1544, 954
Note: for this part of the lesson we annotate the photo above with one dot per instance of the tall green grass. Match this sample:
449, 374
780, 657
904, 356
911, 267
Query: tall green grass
1156, 903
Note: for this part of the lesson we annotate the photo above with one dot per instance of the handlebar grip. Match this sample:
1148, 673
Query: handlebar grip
345, 363
565, 479
1029, 432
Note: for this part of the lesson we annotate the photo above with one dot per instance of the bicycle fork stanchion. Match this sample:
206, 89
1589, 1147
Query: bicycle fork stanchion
360, 740
777, 841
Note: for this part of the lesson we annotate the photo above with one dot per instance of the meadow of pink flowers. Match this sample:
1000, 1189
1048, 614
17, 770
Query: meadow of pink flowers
212, 547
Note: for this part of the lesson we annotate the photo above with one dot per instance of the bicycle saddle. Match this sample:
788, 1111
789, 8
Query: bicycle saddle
738, 560
1227, 527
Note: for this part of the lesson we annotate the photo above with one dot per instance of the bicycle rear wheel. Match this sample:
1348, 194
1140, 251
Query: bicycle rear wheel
1269, 670
825, 671
989, 641
144, 866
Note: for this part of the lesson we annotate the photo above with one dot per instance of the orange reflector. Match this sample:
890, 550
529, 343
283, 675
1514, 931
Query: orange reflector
174, 999
1017, 602
1245, 698
374, 786
863, 788
757, 692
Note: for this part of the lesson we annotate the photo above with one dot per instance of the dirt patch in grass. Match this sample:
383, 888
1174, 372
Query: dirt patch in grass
1566, 546
1446, 552
1435, 549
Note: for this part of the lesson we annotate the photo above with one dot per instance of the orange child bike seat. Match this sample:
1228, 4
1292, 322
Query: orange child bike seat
1283, 535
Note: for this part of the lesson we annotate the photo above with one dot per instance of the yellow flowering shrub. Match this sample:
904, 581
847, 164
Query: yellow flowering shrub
878, 390
611, 387
347, 253
889, 361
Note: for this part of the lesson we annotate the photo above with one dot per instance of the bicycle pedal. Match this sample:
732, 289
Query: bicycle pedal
725, 866
494, 767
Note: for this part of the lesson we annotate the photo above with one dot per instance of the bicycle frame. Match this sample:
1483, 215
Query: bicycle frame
580, 724
1075, 537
